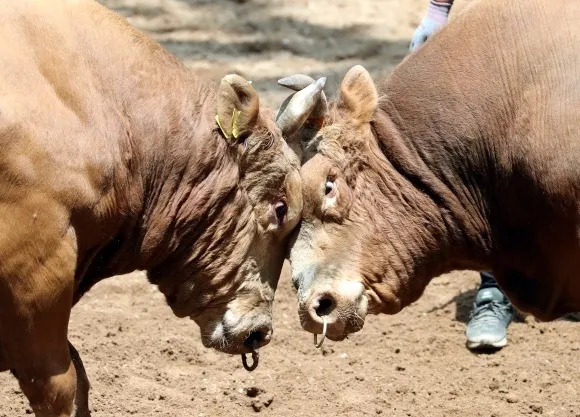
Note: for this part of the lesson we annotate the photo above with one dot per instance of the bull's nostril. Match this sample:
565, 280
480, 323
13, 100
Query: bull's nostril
255, 339
325, 306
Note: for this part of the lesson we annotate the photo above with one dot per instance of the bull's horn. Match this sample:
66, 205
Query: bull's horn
299, 82
296, 82
296, 109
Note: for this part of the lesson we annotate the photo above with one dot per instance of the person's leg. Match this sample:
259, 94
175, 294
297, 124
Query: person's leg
490, 316
487, 280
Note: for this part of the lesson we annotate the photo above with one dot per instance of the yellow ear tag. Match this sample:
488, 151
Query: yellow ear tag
217, 119
235, 127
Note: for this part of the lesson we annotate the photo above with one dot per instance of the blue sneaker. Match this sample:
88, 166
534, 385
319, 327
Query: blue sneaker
492, 313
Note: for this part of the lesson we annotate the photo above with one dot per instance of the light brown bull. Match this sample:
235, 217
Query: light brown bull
466, 157
115, 157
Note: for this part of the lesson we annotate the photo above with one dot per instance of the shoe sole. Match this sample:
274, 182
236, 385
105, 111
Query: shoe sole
484, 344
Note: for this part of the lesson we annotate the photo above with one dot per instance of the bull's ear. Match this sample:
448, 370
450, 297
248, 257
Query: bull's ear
238, 106
358, 94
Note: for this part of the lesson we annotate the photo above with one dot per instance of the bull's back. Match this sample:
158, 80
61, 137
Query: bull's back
533, 53
528, 51
57, 125
509, 70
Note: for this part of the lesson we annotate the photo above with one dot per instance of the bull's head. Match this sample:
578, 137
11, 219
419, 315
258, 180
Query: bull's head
341, 251
225, 271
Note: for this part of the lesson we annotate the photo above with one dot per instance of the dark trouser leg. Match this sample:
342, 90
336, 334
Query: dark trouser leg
487, 280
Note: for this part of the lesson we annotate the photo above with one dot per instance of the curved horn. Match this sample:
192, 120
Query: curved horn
299, 82
296, 109
296, 82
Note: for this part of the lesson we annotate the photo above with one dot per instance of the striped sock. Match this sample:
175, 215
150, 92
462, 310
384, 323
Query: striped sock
438, 11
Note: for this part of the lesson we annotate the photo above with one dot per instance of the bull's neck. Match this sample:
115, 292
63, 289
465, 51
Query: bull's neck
430, 134
167, 148
180, 155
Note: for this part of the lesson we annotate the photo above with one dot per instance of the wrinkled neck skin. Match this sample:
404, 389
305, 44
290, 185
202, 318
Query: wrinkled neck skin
171, 176
435, 160
192, 205
439, 224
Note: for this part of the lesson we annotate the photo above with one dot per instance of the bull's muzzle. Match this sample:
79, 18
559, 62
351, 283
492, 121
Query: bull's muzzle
343, 308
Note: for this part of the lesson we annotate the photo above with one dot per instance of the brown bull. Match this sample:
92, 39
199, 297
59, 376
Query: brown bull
466, 157
115, 157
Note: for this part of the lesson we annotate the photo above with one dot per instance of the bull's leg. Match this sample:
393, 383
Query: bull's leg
83, 384
50, 395
38, 354
34, 315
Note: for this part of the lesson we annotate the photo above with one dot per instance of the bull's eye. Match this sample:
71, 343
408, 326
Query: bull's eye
328, 187
281, 209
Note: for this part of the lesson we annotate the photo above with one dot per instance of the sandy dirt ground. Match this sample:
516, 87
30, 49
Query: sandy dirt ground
143, 361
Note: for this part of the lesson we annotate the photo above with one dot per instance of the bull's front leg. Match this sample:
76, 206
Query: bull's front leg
38, 355
36, 294
83, 384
